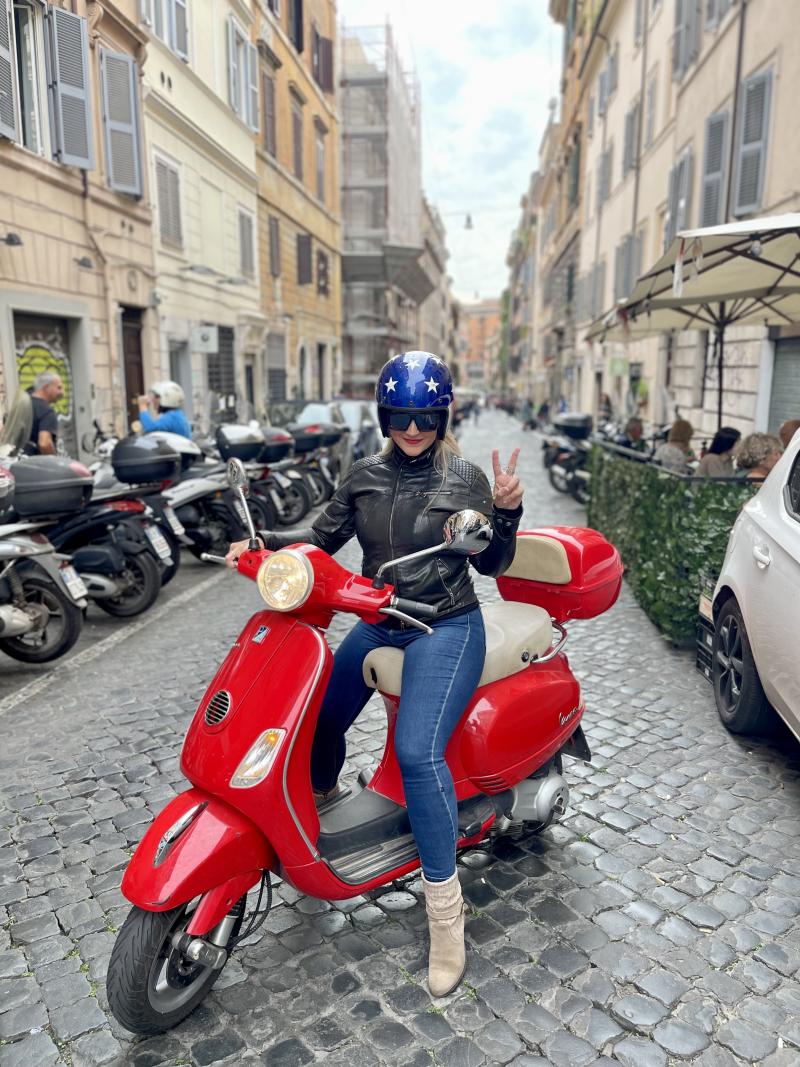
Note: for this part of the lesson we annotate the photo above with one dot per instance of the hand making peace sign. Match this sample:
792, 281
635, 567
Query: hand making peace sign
507, 493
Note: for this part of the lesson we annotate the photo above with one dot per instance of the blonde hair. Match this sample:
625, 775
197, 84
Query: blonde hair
444, 449
755, 448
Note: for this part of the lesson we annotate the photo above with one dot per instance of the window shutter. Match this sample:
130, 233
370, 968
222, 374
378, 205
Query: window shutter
246, 250
270, 141
602, 92
252, 87
8, 110
118, 74
693, 28
613, 70
274, 247
315, 55
678, 39
297, 135
684, 191
669, 220
180, 28
326, 63
233, 68
650, 125
303, 259
146, 12
169, 207
638, 32
609, 159
322, 273
713, 192
754, 131
297, 25
627, 147
619, 268
158, 19
70, 88
590, 117
712, 14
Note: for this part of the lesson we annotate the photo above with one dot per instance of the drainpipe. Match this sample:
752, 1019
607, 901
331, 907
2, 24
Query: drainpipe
735, 111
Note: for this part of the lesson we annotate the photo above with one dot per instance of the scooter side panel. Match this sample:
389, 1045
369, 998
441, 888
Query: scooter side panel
220, 844
275, 681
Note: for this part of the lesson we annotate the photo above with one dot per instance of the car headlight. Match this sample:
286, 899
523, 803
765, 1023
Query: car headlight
285, 580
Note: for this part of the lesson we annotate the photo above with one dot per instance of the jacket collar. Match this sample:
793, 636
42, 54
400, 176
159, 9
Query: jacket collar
425, 459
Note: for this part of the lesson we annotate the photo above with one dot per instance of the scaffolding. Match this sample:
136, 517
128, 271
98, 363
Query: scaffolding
384, 282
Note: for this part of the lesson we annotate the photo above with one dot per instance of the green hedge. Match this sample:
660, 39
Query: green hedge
668, 529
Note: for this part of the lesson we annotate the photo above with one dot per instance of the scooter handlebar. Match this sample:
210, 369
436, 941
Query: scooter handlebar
414, 608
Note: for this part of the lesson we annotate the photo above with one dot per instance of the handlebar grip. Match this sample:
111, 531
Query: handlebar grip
415, 608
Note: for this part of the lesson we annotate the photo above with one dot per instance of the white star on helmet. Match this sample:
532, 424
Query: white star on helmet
390, 385
412, 362
431, 384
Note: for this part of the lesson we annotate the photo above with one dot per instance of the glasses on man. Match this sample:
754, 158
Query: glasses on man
425, 421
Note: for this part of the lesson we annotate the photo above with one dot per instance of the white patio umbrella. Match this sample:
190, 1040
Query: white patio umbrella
744, 272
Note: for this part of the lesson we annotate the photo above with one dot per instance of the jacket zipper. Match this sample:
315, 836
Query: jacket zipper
391, 514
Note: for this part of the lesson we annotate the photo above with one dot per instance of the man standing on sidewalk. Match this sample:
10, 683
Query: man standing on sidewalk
48, 388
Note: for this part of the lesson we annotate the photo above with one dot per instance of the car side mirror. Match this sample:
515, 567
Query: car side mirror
467, 532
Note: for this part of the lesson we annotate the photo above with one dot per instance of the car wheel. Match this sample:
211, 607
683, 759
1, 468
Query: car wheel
740, 698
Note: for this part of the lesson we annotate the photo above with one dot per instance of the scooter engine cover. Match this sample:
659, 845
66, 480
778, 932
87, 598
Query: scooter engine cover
99, 559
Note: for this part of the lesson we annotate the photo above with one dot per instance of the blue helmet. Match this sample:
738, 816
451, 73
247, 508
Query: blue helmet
414, 381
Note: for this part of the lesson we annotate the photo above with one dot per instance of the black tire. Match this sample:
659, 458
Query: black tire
269, 512
740, 698
558, 481
59, 633
145, 578
317, 486
579, 489
296, 503
150, 986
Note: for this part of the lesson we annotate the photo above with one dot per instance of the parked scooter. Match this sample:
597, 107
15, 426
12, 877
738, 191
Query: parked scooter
42, 596
250, 809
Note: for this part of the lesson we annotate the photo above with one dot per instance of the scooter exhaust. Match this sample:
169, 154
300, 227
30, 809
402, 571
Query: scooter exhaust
536, 798
14, 621
99, 587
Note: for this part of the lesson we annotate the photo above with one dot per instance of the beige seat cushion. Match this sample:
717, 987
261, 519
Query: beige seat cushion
539, 558
515, 633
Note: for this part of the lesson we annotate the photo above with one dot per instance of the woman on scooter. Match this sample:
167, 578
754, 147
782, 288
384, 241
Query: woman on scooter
395, 503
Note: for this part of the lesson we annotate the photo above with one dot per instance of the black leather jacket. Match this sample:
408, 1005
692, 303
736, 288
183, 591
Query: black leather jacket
396, 505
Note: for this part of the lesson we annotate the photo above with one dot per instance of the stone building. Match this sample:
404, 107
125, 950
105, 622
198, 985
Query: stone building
77, 280
299, 199
479, 323
434, 311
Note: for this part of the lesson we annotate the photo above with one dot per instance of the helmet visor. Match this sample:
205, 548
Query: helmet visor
425, 421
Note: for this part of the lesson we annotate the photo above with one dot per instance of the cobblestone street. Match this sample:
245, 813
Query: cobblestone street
657, 924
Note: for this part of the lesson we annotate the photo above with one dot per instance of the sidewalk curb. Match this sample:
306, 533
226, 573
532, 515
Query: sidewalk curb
37, 685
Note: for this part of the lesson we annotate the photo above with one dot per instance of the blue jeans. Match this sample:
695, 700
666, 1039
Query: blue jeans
440, 675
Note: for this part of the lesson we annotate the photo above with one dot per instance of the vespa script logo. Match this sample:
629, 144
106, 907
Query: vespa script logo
260, 634
564, 719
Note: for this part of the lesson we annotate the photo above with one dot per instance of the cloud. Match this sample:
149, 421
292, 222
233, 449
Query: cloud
487, 72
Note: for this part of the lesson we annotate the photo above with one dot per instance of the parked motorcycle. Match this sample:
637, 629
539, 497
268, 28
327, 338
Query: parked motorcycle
250, 809
42, 596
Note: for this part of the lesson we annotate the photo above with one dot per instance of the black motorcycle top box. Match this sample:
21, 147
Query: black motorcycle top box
189, 452
278, 444
240, 442
576, 425
50, 485
317, 435
144, 459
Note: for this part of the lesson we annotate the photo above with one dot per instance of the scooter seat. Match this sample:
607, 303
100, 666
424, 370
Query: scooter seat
515, 634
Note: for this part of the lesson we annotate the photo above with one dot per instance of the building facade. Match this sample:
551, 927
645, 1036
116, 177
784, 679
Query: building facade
479, 331
522, 263
201, 111
77, 274
687, 112
299, 200
434, 311
384, 279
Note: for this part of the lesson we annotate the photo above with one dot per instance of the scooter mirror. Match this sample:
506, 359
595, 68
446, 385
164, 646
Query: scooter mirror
237, 475
467, 532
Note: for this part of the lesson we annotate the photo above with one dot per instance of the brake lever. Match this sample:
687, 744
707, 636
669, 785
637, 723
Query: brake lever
406, 618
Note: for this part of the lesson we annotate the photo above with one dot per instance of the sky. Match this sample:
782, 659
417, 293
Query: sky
487, 71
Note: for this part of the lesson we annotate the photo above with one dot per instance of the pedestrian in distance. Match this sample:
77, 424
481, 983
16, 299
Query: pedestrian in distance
395, 504
633, 435
787, 431
167, 398
757, 454
47, 390
718, 461
673, 455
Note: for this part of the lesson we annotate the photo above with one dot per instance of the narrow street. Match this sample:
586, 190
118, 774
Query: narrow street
656, 924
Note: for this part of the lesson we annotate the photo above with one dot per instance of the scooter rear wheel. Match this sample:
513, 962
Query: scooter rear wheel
144, 585
60, 629
151, 986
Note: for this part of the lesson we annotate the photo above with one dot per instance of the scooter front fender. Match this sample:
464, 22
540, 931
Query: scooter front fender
197, 844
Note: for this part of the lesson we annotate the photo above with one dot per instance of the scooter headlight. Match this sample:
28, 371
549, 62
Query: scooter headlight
285, 580
257, 764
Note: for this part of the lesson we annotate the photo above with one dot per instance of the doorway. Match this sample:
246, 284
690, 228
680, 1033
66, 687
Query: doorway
132, 360
180, 371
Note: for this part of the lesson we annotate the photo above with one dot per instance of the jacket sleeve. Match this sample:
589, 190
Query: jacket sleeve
332, 529
500, 553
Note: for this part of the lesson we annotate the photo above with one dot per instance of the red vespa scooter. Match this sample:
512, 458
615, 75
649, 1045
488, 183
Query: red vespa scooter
251, 811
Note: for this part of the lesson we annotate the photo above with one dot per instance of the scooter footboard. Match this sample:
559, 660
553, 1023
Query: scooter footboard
197, 844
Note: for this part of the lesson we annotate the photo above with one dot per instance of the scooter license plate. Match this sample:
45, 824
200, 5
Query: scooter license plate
174, 522
159, 542
73, 581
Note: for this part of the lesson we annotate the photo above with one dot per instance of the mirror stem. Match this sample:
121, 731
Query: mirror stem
253, 545
378, 581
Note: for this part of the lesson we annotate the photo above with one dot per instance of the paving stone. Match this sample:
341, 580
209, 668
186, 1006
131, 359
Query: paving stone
289, 1053
24, 1018
680, 1040
72, 1020
217, 1049
499, 1042
637, 1012
460, 1052
746, 1041
36, 1050
96, 1050
637, 1052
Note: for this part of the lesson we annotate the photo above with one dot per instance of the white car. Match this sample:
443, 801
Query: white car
756, 607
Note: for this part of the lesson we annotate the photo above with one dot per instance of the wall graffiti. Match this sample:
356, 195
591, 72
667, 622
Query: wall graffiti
42, 345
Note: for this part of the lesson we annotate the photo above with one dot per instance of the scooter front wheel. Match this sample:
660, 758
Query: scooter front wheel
151, 985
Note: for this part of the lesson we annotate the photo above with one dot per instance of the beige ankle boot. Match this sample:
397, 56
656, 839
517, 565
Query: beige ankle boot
447, 961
